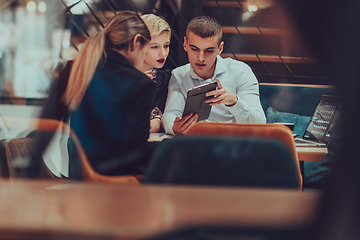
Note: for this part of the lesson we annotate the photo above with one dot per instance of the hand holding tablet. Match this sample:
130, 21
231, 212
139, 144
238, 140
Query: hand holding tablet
198, 104
195, 102
221, 96
182, 125
195, 108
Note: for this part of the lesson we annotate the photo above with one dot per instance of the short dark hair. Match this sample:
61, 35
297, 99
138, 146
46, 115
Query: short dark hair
205, 27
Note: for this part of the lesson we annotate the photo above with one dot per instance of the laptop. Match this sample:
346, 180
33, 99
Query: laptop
322, 124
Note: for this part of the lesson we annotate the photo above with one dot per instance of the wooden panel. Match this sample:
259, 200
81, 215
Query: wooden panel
225, 4
298, 85
269, 58
236, 4
251, 30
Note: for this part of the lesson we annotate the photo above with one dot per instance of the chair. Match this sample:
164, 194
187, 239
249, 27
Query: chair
224, 161
231, 232
87, 172
21, 148
273, 131
4, 172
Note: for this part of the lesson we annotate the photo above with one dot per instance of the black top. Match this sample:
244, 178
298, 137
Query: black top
162, 81
112, 121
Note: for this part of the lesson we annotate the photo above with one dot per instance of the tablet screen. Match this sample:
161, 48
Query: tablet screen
195, 102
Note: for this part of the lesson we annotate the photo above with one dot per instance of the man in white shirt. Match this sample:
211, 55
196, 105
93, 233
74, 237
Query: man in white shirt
237, 95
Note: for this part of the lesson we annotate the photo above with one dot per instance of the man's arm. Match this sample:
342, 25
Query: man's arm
245, 105
175, 103
248, 107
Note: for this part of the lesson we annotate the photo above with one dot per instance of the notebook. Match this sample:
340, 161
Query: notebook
322, 124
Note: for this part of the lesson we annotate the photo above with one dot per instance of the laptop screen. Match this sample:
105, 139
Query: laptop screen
324, 120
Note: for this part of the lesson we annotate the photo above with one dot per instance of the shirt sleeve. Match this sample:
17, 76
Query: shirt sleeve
248, 108
175, 104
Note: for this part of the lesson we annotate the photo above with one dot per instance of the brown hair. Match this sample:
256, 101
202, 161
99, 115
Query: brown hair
118, 34
205, 27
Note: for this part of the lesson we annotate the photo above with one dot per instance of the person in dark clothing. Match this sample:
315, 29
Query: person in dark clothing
110, 99
61, 110
159, 50
155, 59
162, 81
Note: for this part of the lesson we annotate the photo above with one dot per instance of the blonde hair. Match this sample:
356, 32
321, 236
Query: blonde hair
118, 34
156, 24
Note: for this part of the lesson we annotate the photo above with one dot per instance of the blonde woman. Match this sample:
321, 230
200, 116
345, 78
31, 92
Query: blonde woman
110, 98
155, 59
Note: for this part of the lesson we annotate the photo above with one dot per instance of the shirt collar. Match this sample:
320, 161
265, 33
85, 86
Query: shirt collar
219, 69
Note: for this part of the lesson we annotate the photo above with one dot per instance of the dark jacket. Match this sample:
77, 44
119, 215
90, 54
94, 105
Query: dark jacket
112, 121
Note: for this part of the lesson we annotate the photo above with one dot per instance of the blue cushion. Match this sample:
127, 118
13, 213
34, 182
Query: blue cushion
298, 99
300, 122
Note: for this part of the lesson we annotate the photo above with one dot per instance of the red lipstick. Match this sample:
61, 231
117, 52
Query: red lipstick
161, 60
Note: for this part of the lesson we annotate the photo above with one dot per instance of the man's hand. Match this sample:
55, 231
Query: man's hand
222, 95
181, 126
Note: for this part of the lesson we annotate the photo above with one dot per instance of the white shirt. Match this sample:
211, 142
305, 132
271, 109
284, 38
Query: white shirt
235, 76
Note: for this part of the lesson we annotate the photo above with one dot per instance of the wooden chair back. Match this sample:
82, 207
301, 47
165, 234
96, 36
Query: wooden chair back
273, 131
88, 173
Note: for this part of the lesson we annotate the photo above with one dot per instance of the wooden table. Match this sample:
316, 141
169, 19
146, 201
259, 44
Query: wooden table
158, 137
312, 154
42, 209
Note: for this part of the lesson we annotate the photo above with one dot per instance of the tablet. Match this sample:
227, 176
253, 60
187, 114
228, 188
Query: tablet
195, 102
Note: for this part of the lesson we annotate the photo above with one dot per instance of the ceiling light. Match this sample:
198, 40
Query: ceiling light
252, 8
42, 7
31, 6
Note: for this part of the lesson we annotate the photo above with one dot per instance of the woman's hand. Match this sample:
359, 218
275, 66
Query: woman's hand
149, 74
155, 125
